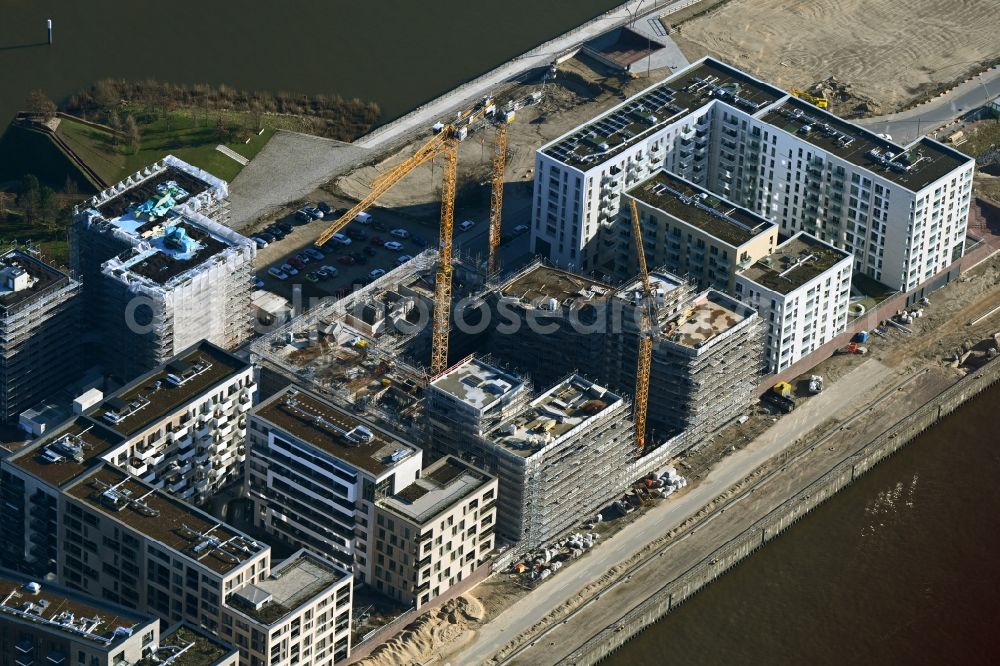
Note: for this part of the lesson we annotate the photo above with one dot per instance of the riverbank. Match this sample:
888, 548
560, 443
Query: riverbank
667, 598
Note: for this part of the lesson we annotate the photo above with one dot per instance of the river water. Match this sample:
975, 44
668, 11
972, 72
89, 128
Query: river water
900, 567
397, 53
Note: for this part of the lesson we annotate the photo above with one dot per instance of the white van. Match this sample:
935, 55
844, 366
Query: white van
400, 233
364, 218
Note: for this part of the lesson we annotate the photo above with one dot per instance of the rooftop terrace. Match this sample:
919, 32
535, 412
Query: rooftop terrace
63, 611
476, 383
291, 584
199, 649
914, 168
701, 209
541, 284
24, 278
334, 430
162, 518
174, 247
440, 487
149, 194
658, 106
710, 315
68, 452
163, 390
794, 263
552, 415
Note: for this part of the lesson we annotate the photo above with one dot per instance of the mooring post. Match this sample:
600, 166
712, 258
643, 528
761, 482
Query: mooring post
49, 24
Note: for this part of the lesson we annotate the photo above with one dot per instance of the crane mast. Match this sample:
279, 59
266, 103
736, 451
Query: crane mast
645, 355
496, 202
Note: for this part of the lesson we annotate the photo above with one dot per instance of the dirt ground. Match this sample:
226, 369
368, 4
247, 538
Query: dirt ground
580, 91
890, 51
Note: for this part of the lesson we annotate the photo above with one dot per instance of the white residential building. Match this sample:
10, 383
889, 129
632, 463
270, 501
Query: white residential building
901, 211
802, 292
315, 472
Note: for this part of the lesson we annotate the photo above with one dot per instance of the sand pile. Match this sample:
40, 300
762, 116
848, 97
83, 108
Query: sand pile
420, 642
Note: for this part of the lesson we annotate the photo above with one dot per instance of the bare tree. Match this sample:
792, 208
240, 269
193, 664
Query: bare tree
257, 114
220, 128
134, 136
40, 106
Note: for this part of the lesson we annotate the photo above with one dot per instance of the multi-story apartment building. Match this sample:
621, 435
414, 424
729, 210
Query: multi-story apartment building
435, 532
182, 644
802, 292
183, 425
159, 273
901, 211
39, 332
315, 471
122, 540
469, 400
299, 614
46, 625
689, 231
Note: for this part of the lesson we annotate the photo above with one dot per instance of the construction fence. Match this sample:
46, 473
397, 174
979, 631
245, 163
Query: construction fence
717, 562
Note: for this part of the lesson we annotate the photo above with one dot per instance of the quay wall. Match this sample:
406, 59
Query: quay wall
732, 552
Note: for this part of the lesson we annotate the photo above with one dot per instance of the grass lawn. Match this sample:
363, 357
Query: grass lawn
53, 244
981, 136
191, 139
875, 291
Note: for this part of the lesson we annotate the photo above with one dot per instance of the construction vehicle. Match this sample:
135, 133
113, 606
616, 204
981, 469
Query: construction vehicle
784, 389
815, 384
502, 121
444, 142
817, 100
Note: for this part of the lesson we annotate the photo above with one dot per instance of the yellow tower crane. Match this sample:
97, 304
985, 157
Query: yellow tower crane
444, 142
646, 332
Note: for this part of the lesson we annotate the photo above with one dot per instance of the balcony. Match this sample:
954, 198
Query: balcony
136, 466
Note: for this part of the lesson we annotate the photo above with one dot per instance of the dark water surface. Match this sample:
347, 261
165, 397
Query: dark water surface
397, 53
899, 568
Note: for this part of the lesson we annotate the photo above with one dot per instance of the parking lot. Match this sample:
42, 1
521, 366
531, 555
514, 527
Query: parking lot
355, 261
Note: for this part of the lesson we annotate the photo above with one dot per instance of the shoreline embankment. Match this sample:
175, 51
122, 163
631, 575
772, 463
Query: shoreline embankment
672, 594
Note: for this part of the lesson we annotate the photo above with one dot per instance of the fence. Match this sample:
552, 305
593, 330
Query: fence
713, 565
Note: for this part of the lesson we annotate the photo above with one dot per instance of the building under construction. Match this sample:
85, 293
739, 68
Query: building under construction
560, 457
39, 332
160, 268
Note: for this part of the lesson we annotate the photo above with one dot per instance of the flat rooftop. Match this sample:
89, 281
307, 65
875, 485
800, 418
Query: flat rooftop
163, 390
658, 106
335, 431
562, 408
540, 284
291, 584
69, 452
439, 488
64, 611
162, 518
913, 168
710, 315
199, 649
794, 263
24, 278
700, 208
140, 199
477, 384
175, 246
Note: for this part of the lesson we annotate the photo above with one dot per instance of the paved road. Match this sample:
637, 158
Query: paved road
838, 399
906, 126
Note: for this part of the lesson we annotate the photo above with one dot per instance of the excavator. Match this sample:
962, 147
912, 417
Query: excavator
821, 102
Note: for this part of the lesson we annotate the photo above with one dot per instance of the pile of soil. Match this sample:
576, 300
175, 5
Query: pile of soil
844, 101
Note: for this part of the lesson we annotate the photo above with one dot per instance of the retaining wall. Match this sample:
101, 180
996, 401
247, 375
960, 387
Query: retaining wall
676, 591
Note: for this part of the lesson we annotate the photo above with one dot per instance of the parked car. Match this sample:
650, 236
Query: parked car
378, 226
323, 274
394, 246
267, 237
312, 276
357, 234
294, 261
369, 251
303, 257
278, 273
376, 240
520, 229
289, 269
331, 270
284, 226
325, 207
377, 273
466, 225
342, 239
277, 233
359, 258
400, 233
345, 259
261, 243
314, 213
302, 216
258, 283
363, 218
403, 258
314, 253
